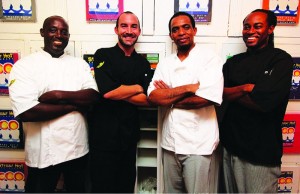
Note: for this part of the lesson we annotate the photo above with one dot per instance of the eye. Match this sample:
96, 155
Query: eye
123, 25
246, 27
65, 32
134, 26
174, 30
258, 26
187, 27
52, 30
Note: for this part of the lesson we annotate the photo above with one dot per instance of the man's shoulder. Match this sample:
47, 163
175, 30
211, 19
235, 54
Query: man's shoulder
31, 57
106, 49
280, 51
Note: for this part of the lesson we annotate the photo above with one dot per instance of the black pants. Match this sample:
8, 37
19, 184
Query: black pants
45, 180
113, 171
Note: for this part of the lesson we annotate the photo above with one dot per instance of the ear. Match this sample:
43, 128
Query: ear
195, 31
42, 32
271, 29
170, 35
116, 30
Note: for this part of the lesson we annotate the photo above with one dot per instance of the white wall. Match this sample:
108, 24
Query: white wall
223, 34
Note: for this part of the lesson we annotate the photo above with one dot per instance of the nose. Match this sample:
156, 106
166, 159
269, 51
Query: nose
181, 31
58, 33
129, 30
251, 30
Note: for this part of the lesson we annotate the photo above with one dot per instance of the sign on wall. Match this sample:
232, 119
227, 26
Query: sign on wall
109, 10
286, 11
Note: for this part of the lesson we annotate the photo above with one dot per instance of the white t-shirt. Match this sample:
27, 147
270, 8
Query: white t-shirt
192, 131
57, 140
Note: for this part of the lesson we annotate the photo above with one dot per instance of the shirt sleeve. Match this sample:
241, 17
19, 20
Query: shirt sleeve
158, 75
211, 79
23, 89
274, 85
87, 77
103, 72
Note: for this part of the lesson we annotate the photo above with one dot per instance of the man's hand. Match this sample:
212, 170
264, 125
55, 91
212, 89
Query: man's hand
193, 87
51, 97
159, 84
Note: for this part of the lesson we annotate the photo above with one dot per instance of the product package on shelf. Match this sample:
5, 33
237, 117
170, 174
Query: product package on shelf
7, 60
12, 176
11, 131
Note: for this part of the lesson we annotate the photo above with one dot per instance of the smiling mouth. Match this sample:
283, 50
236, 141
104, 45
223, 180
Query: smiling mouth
251, 38
57, 43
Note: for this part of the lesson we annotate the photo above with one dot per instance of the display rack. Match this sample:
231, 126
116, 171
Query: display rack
148, 153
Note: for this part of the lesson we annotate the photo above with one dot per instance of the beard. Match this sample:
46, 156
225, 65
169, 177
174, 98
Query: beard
184, 48
126, 45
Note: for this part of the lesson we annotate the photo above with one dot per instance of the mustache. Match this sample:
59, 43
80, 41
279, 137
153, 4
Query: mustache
131, 35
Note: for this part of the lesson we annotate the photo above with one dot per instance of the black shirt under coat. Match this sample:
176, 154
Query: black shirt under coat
114, 124
256, 136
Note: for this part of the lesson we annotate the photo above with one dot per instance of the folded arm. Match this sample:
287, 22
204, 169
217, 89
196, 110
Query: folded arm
241, 95
165, 96
56, 103
131, 93
192, 102
234, 93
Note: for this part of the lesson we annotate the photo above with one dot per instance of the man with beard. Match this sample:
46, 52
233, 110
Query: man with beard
257, 86
123, 77
50, 92
188, 84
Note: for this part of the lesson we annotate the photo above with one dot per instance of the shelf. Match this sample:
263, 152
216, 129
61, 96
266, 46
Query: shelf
147, 180
148, 129
147, 143
147, 158
148, 139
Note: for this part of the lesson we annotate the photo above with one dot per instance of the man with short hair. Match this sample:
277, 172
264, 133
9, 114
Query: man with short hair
188, 84
50, 92
257, 86
123, 76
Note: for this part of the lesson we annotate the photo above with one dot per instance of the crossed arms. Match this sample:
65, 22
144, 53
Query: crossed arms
56, 103
241, 95
182, 97
133, 94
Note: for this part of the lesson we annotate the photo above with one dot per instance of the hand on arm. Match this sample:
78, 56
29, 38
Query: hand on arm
80, 97
44, 112
234, 93
241, 95
56, 103
138, 99
130, 93
193, 102
165, 96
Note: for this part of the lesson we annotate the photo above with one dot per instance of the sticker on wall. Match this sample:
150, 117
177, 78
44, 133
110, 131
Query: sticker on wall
286, 11
109, 10
11, 131
201, 10
285, 182
291, 133
288, 181
89, 58
17, 10
152, 58
295, 88
12, 176
7, 60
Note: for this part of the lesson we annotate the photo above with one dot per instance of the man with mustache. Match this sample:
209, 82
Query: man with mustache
188, 84
257, 86
51, 91
123, 77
